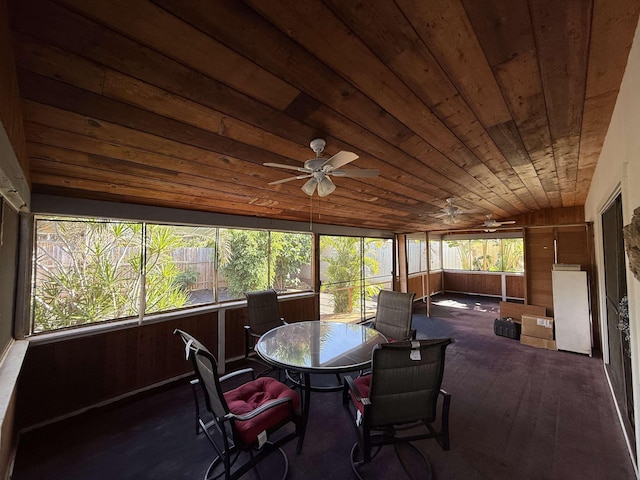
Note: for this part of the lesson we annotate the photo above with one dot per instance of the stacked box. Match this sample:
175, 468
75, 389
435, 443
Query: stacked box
537, 331
506, 327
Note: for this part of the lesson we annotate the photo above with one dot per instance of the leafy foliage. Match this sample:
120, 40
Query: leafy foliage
254, 260
245, 265
489, 255
289, 253
90, 271
163, 292
346, 266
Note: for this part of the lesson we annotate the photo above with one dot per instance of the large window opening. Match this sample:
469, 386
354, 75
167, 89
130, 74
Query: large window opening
416, 253
483, 254
353, 270
89, 270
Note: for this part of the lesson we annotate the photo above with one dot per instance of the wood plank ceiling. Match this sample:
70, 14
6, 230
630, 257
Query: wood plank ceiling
502, 105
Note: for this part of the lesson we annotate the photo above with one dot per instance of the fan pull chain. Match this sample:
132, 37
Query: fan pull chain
310, 213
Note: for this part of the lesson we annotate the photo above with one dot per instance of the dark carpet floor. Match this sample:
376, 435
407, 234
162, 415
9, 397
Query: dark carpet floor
517, 413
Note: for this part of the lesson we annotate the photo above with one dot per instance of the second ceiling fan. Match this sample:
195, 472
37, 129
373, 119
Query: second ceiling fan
491, 225
319, 169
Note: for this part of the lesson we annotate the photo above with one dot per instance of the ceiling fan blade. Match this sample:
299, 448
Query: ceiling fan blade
277, 182
288, 167
507, 223
325, 187
361, 173
310, 186
339, 159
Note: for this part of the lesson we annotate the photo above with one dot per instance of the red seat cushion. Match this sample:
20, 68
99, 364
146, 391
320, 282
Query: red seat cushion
254, 394
363, 383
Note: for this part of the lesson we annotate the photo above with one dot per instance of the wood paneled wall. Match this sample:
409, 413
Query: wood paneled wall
515, 286
539, 257
65, 376
484, 284
414, 285
422, 284
10, 109
473, 283
549, 245
562, 244
552, 216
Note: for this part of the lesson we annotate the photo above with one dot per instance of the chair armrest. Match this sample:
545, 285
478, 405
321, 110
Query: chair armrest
411, 336
259, 410
353, 389
238, 372
247, 329
367, 322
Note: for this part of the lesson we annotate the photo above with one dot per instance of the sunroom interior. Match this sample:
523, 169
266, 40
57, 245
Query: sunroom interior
522, 113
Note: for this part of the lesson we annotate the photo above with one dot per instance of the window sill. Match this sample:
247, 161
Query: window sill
89, 330
10, 367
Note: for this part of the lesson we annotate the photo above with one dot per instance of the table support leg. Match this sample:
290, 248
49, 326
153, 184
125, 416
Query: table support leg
306, 400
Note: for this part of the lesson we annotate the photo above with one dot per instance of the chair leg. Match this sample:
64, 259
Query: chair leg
443, 438
197, 403
301, 429
247, 345
366, 445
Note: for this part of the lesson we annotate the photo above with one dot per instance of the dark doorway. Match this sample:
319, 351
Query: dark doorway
619, 366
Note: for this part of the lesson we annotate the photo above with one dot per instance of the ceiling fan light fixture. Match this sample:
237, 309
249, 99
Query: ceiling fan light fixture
310, 186
450, 219
325, 187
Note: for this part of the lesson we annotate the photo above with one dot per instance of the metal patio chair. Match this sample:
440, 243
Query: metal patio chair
249, 422
397, 403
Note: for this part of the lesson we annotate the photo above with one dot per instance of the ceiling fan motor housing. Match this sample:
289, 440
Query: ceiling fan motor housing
317, 145
315, 164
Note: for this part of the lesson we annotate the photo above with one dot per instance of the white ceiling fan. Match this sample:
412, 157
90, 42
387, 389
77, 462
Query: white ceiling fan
319, 169
450, 212
492, 224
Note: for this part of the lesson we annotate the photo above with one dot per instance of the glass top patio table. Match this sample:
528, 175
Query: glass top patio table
319, 347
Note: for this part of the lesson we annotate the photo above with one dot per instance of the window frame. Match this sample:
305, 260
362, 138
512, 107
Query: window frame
469, 251
144, 316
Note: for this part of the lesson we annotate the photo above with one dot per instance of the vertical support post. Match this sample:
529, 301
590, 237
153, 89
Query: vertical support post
402, 267
315, 271
428, 292
222, 354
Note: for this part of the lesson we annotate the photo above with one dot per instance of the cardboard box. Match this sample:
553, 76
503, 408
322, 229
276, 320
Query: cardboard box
537, 326
538, 342
516, 310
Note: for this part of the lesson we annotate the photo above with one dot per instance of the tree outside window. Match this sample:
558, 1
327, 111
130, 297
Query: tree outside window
88, 272
486, 254
345, 270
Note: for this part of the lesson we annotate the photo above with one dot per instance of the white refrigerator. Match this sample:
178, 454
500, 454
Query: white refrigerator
571, 310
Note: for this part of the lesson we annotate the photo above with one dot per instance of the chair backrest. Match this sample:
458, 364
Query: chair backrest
394, 314
262, 311
405, 381
205, 367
